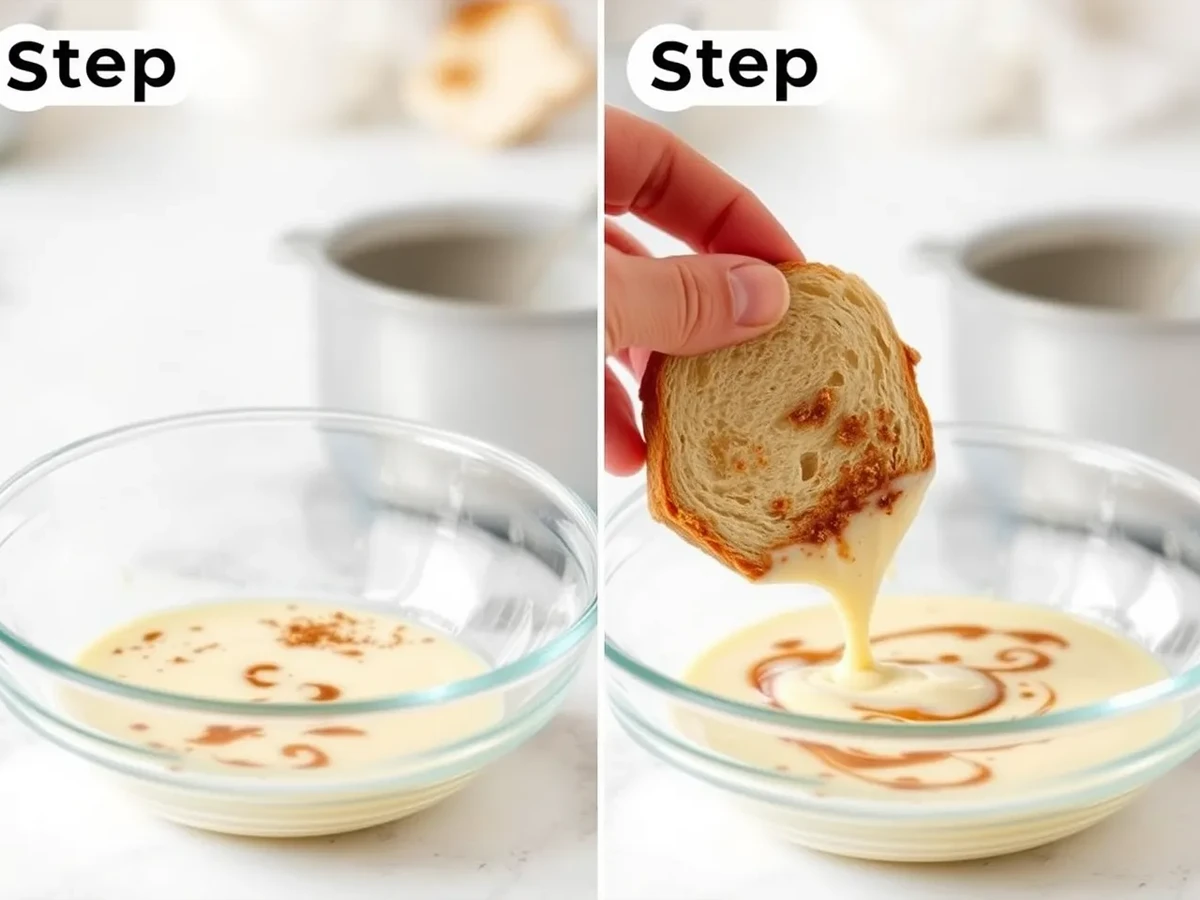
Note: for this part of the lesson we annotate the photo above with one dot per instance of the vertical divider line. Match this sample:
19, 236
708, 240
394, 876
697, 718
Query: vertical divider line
602, 718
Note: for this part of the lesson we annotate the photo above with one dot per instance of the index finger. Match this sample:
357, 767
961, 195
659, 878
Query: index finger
652, 174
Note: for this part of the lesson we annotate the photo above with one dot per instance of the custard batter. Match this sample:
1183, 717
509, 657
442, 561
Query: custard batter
266, 651
941, 659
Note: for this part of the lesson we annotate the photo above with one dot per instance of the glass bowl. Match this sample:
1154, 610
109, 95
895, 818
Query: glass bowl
1100, 533
367, 513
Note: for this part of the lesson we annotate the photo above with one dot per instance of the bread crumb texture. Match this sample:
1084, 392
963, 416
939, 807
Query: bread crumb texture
782, 440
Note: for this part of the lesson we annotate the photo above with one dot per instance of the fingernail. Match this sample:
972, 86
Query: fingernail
760, 294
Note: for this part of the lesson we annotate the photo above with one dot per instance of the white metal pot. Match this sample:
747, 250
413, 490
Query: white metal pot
424, 313
1085, 324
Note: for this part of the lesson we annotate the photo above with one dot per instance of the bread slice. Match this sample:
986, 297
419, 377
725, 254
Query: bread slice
499, 71
780, 441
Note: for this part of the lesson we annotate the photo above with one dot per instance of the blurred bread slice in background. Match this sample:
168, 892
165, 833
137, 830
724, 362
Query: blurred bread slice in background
499, 72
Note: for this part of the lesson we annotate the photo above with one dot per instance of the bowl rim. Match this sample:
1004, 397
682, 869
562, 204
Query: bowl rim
1128, 702
499, 678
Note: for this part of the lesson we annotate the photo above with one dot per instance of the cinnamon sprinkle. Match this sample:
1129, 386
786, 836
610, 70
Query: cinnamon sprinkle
323, 693
220, 735
336, 731
317, 758
888, 501
852, 430
253, 674
339, 631
814, 411
240, 763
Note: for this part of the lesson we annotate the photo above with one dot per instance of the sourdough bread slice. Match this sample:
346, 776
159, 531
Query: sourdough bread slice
782, 440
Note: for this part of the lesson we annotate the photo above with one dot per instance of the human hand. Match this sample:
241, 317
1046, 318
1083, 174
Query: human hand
680, 305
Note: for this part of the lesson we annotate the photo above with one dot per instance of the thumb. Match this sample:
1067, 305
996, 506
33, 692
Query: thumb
684, 305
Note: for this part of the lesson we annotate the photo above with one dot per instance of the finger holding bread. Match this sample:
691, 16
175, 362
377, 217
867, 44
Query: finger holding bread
688, 304
652, 174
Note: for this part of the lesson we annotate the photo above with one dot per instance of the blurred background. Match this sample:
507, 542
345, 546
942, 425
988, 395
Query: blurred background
143, 267
1018, 179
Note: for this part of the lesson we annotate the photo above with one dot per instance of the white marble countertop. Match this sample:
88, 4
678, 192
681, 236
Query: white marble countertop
863, 205
137, 279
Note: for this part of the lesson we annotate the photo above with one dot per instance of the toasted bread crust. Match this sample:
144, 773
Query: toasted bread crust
870, 480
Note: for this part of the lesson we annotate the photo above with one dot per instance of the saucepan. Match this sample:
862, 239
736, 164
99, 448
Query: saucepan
1082, 323
451, 314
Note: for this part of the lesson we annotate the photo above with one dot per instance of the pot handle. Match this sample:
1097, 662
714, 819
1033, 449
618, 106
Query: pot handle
306, 244
934, 253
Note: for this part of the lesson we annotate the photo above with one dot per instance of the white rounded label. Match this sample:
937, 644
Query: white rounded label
40, 68
672, 68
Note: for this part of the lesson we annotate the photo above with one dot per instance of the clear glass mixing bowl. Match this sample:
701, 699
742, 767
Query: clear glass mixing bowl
369, 512
1098, 532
